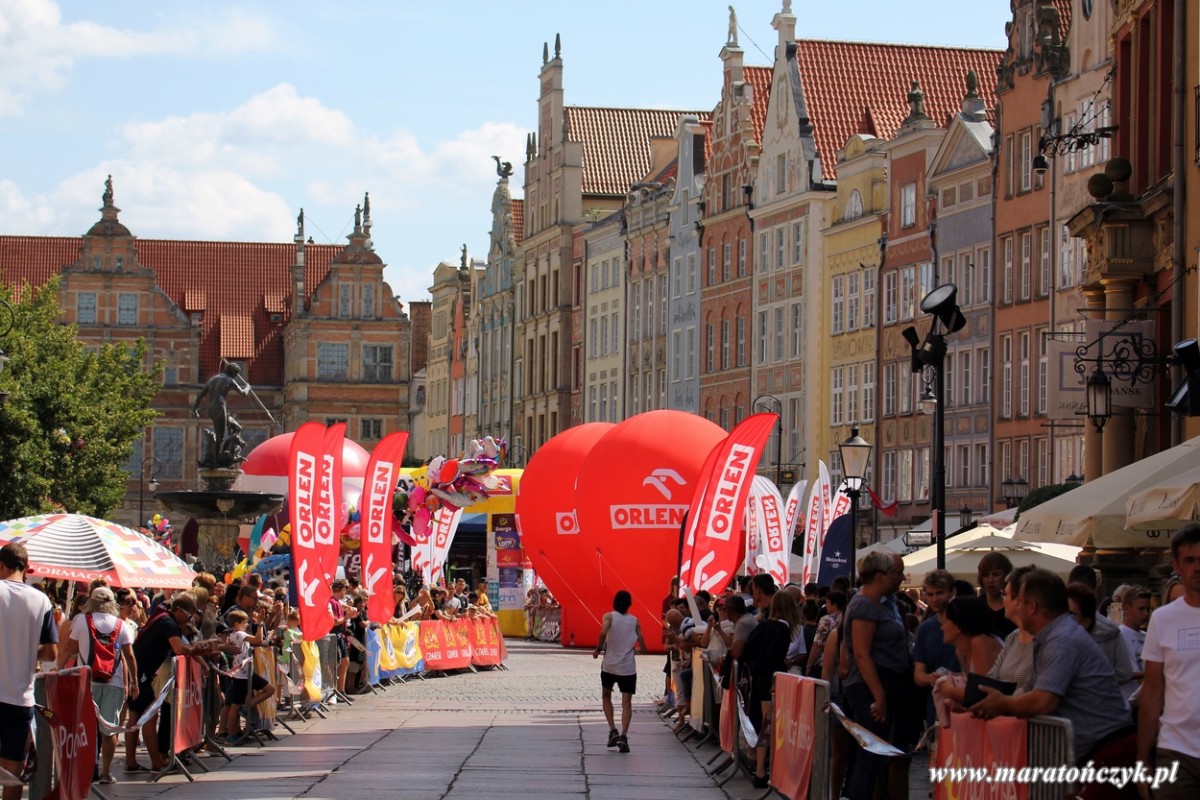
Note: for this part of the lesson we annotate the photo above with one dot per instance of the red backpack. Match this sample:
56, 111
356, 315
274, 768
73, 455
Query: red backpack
105, 655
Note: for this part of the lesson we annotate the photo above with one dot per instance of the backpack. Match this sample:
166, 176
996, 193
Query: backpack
105, 655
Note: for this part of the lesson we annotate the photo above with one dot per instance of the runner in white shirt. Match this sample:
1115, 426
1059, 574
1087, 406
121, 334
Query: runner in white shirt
620, 634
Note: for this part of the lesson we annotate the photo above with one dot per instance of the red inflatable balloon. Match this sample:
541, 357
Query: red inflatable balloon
631, 495
550, 531
271, 458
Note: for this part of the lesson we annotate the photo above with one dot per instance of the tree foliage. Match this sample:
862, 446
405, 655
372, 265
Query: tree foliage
1041, 495
73, 413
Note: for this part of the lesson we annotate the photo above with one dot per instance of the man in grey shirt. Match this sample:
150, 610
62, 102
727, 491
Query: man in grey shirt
1070, 677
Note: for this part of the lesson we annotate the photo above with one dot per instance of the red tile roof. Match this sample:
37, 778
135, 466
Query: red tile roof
195, 300
760, 79
1064, 16
233, 278
862, 87
518, 215
616, 143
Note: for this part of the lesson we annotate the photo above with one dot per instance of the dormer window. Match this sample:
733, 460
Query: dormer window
120, 263
854, 205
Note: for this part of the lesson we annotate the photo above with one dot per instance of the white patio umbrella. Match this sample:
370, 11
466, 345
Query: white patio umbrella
1098, 508
963, 556
1169, 505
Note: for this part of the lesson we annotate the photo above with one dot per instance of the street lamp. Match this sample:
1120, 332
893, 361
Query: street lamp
1012, 492
965, 516
1073, 480
855, 453
765, 400
154, 464
518, 456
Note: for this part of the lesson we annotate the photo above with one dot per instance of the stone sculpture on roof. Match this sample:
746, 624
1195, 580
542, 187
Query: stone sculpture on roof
503, 168
733, 39
107, 197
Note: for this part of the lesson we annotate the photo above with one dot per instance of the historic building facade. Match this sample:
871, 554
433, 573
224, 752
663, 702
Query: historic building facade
646, 220
605, 339
683, 392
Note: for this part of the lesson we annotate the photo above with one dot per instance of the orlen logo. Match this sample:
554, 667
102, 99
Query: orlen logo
658, 479
566, 523
652, 515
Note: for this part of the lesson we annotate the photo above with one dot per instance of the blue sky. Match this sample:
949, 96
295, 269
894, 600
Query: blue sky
219, 120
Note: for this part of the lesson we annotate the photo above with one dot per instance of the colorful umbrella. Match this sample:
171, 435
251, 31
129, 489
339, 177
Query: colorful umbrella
80, 548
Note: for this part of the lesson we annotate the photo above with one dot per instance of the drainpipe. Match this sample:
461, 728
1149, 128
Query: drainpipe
1179, 167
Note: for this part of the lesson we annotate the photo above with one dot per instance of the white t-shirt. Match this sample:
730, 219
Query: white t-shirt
244, 656
1134, 640
104, 625
28, 622
1173, 640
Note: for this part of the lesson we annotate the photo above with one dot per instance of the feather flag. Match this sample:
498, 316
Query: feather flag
791, 513
305, 465
767, 507
376, 554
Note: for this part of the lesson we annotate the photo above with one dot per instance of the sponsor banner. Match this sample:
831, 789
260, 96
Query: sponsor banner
312, 590
975, 743
504, 532
405, 641
814, 526
189, 703
754, 536
791, 513
485, 641
728, 725
510, 577
383, 471
264, 667
430, 556
835, 553
374, 652
442, 646
795, 726
508, 558
714, 528
330, 517
311, 664
71, 717
767, 504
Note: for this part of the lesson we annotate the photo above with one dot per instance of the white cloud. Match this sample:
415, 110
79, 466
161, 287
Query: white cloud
37, 50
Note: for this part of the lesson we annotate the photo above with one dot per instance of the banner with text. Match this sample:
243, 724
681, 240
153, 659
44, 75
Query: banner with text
383, 471
189, 703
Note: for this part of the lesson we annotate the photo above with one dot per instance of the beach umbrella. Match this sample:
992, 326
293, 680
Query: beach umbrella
76, 547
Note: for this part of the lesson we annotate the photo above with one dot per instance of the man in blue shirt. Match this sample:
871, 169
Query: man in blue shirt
930, 651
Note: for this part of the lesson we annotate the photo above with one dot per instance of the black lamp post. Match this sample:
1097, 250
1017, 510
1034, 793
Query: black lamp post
154, 464
1073, 480
518, 456
965, 516
765, 400
1012, 492
856, 451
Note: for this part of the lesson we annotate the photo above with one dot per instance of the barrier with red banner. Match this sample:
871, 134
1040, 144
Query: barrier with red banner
189, 703
795, 714
445, 645
71, 717
485, 641
972, 742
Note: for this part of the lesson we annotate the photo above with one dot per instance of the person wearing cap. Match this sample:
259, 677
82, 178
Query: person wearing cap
29, 635
102, 615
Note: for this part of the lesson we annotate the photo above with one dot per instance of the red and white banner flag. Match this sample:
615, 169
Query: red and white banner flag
714, 526
814, 527
791, 513
383, 471
305, 467
331, 516
430, 555
767, 506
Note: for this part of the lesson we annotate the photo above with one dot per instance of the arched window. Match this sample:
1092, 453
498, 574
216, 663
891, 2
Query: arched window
854, 206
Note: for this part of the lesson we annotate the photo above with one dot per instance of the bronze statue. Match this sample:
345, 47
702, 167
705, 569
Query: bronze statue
224, 442
503, 168
107, 197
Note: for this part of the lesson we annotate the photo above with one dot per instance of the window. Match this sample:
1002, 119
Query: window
983, 359
1044, 262
677, 277
616, 333
948, 372
889, 390
370, 429
889, 474
368, 301
781, 173
922, 487
982, 462
966, 280
908, 205
983, 262
1043, 377
762, 336
1006, 287
1009, 166
333, 361
797, 330
691, 352
764, 249
636, 312
854, 206
852, 394
908, 293
1026, 266
964, 371
835, 396
377, 363
741, 258
343, 299
964, 465
1023, 458
1069, 160
127, 309
725, 344
594, 339
779, 248
852, 301
676, 355
168, 449
741, 341
1006, 376
868, 391
904, 389
712, 266
604, 335
1023, 377
927, 283
779, 334
1026, 160
868, 298
838, 312
726, 257
798, 243
709, 346
890, 305
85, 308
904, 477
662, 305
692, 273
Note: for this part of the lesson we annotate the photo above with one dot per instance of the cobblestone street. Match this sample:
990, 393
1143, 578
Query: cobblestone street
533, 731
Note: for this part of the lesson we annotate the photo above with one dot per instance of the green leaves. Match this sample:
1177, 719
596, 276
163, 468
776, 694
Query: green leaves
73, 412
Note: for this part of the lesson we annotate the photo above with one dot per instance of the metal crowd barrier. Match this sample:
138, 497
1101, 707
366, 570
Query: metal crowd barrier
1051, 743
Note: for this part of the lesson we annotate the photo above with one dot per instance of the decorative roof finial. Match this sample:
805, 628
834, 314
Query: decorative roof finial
463, 263
366, 208
358, 218
972, 85
787, 6
107, 197
557, 46
733, 40
916, 104
300, 226
545, 54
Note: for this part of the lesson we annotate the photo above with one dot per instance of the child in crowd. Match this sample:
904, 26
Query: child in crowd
244, 670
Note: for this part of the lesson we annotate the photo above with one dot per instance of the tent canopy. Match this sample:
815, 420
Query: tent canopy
964, 552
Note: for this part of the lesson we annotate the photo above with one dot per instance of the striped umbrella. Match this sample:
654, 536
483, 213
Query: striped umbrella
80, 548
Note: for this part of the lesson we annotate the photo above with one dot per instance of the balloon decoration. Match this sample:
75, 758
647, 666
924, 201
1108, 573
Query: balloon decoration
549, 528
631, 494
449, 483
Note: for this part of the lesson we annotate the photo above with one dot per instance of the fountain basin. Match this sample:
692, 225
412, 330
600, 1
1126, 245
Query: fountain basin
207, 505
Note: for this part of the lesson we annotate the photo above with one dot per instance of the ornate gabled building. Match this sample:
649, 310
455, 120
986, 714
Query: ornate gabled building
727, 260
601, 249
578, 167
263, 305
492, 323
683, 382
445, 369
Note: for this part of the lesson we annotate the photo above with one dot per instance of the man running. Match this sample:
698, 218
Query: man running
620, 634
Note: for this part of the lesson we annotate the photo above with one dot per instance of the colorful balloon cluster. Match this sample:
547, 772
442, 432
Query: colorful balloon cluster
159, 528
451, 483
